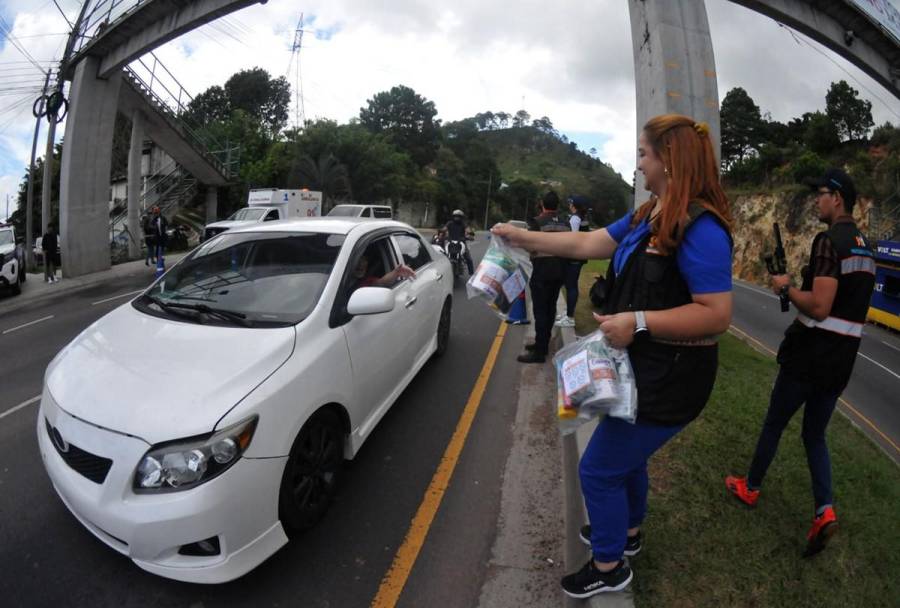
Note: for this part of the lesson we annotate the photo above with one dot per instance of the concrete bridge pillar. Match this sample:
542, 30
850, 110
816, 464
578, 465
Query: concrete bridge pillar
134, 183
674, 66
86, 164
212, 204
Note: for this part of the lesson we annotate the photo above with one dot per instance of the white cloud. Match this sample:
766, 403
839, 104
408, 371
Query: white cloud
571, 62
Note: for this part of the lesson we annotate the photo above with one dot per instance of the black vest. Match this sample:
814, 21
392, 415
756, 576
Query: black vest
674, 381
823, 352
545, 267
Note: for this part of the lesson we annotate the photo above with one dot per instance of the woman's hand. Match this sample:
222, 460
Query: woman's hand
618, 328
512, 235
405, 272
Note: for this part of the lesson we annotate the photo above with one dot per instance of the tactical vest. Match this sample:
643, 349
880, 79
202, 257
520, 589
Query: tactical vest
823, 352
674, 379
546, 267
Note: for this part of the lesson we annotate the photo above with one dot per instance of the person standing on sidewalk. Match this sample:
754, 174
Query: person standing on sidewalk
547, 277
669, 300
49, 245
819, 348
159, 226
149, 240
578, 223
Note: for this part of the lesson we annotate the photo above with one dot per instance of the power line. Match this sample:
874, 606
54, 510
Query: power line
7, 31
839, 66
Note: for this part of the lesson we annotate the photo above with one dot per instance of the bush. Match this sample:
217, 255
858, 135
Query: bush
809, 164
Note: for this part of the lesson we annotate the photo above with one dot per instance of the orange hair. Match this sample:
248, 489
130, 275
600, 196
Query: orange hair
686, 151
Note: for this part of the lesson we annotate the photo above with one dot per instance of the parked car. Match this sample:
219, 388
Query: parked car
368, 211
223, 400
12, 260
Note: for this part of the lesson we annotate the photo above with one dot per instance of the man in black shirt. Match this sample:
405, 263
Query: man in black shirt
819, 348
547, 278
456, 230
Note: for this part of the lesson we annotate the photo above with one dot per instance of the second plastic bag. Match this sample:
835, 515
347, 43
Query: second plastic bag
501, 276
593, 378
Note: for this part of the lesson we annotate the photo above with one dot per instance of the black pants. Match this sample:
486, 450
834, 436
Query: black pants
573, 271
544, 294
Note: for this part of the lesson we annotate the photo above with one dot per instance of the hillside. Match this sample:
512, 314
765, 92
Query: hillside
544, 159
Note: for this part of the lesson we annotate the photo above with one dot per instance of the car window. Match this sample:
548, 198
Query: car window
415, 254
344, 211
6, 237
382, 213
366, 213
272, 278
375, 261
247, 214
271, 216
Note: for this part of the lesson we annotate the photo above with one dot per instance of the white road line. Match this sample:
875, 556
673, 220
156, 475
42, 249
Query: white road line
890, 345
6, 331
20, 406
897, 376
756, 289
124, 295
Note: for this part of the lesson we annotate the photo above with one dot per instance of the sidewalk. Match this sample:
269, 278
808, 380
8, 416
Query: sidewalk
35, 290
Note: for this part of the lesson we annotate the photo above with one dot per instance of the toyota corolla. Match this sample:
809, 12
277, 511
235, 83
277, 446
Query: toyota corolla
195, 428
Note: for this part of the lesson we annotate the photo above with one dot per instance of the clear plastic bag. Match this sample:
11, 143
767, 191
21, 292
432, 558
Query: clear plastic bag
593, 378
501, 276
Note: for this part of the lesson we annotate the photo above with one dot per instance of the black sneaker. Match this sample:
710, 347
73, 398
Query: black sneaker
532, 356
632, 544
589, 581
530, 347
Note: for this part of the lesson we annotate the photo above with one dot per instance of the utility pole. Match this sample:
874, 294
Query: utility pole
29, 198
47, 186
487, 201
299, 104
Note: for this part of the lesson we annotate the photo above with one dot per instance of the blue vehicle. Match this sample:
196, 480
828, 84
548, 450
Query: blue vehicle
885, 306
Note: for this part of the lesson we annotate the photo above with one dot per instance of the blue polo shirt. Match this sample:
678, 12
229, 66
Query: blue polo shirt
704, 255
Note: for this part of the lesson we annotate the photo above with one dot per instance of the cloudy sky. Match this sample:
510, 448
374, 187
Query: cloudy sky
572, 63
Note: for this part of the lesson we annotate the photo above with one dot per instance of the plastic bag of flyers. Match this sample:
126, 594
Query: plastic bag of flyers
593, 378
501, 277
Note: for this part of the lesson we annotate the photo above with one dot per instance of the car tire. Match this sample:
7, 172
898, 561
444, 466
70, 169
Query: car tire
312, 472
443, 329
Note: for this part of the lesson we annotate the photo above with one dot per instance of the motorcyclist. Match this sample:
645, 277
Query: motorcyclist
456, 230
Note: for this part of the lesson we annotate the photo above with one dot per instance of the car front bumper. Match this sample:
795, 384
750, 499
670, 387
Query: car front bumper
239, 507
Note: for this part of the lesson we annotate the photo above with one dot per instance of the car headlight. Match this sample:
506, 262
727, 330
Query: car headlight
186, 464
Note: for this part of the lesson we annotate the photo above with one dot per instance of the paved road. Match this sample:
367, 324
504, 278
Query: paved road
871, 398
48, 559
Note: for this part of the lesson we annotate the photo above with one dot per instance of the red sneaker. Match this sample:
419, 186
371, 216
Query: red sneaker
738, 487
823, 528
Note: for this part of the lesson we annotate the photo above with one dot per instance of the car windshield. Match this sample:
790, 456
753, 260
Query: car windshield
247, 214
345, 211
257, 279
6, 237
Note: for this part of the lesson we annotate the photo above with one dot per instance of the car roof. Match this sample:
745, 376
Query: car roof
327, 225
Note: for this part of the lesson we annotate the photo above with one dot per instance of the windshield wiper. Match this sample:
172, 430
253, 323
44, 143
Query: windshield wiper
228, 315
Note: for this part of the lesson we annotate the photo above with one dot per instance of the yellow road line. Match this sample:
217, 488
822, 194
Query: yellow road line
842, 401
393, 582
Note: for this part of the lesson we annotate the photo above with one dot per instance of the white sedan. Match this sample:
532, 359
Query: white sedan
196, 427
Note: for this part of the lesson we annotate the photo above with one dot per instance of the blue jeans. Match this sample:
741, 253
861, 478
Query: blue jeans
614, 482
573, 270
787, 397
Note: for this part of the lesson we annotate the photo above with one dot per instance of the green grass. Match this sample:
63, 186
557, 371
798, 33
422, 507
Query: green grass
704, 548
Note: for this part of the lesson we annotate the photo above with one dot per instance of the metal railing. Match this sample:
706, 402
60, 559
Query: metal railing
100, 16
172, 186
167, 95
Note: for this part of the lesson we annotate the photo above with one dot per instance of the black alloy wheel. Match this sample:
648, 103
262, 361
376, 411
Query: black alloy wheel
312, 472
443, 330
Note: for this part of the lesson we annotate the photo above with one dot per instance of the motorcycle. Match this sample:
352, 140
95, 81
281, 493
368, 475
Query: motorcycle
455, 251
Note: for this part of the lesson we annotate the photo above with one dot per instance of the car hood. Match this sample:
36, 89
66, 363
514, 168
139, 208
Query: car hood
159, 379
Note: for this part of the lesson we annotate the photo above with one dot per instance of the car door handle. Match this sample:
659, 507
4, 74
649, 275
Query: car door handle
438, 276
411, 302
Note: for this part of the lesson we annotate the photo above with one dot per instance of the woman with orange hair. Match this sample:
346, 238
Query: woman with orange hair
669, 298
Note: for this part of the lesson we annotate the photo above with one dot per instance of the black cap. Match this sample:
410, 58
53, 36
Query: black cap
837, 181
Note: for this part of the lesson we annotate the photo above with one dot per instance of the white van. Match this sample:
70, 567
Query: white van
267, 205
379, 212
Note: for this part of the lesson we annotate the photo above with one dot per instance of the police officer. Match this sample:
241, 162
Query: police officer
818, 349
547, 278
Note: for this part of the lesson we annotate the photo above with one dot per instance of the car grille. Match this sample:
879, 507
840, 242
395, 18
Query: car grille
89, 465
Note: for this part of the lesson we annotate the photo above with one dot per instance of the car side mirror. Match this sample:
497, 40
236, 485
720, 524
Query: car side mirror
370, 301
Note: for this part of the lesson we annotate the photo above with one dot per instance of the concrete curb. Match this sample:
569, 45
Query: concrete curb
576, 553
35, 291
